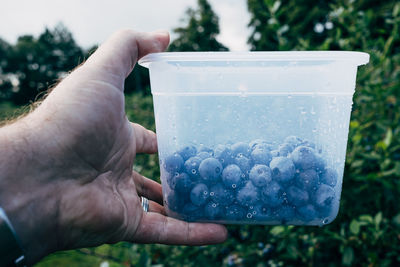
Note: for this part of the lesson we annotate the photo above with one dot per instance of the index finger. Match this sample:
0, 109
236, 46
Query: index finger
157, 228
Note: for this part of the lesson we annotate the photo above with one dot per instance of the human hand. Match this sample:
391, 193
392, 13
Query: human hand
66, 178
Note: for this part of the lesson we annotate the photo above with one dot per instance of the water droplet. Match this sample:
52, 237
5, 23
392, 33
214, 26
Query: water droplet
325, 221
214, 205
234, 186
194, 171
211, 193
205, 192
254, 212
249, 215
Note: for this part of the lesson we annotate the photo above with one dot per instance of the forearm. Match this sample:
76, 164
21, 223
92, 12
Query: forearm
29, 206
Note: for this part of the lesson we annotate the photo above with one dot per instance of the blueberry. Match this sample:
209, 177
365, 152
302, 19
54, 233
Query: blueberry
285, 149
261, 156
173, 163
282, 169
199, 194
240, 148
187, 152
183, 183
213, 211
175, 202
232, 176
192, 166
204, 155
285, 213
248, 195
297, 196
271, 195
257, 142
235, 213
260, 175
210, 169
324, 196
293, 140
244, 163
307, 180
223, 154
262, 213
304, 157
192, 212
219, 194
329, 176
307, 213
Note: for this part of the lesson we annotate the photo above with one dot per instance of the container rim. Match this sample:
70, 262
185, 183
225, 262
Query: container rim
359, 58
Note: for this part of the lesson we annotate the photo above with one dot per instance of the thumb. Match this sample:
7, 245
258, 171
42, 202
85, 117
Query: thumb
118, 55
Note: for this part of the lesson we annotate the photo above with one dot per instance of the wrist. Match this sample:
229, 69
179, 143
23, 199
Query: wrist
29, 205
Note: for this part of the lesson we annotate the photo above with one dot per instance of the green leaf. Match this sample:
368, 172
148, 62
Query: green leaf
354, 227
348, 256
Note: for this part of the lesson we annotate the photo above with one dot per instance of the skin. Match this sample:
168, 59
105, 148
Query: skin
66, 178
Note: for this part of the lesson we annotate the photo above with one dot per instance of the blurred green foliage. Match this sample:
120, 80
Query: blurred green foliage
367, 229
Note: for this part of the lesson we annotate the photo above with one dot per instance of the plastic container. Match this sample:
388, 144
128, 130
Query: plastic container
254, 137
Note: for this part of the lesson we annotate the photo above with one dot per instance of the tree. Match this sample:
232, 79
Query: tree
37, 63
201, 31
5, 83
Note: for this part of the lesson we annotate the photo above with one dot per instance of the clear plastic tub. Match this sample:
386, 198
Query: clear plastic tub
254, 137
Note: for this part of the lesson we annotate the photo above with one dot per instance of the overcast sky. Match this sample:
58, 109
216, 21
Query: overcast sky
91, 21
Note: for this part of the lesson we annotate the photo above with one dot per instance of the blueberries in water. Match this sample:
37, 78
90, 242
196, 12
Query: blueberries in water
199, 194
222, 195
187, 152
248, 195
271, 195
307, 180
303, 157
258, 182
307, 213
223, 154
240, 148
213, 211
235, 213
297, 196
282, 169
183, 183
244, 163
324, 196
260, 175
173, 163
210, 169
261, 156
329, 177
192, 166
232, 176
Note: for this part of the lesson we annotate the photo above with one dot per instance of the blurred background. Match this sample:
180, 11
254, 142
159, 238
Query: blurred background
41, 41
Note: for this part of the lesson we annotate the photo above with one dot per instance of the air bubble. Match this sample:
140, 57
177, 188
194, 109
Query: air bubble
194, 171
214, 205
234, 186
249, 215
211, 193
